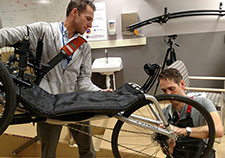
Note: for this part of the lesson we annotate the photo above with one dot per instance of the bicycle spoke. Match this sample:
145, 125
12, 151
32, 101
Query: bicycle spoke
150, 143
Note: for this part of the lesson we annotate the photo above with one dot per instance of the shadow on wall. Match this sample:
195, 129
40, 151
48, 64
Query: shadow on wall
0, 23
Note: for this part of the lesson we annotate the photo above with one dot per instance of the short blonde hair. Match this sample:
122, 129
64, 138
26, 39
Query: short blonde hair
171, 73
80, 5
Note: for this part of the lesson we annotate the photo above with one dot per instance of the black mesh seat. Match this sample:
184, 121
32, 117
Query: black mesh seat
49, 105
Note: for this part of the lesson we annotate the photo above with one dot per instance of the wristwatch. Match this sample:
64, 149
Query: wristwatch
188, 129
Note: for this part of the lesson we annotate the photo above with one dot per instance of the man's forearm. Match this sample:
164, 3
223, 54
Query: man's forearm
199, 132
196, 132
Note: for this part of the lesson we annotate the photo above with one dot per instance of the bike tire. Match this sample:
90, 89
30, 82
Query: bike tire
127, 137
8, 98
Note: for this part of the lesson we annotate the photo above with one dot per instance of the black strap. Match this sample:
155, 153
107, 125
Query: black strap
65, 52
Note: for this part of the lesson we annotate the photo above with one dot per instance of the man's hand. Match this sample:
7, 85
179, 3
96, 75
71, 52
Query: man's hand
178, 131
171, 146
106, 90
171, 142
175, 129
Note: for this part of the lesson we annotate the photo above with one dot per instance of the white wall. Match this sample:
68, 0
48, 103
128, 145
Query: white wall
150, 8
19, 12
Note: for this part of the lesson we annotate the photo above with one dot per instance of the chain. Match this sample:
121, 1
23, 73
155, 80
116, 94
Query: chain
89, 134
106, 128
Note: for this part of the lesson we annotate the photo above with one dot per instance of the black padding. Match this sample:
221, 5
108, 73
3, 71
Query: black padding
45, 104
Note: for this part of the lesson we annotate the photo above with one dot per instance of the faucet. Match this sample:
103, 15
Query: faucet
106, 56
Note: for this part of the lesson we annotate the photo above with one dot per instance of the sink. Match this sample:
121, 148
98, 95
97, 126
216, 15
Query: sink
107, 65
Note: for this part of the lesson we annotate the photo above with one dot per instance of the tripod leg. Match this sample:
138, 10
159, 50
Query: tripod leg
163, 66
24, 146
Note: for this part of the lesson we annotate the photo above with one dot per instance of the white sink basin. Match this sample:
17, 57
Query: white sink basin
102, 65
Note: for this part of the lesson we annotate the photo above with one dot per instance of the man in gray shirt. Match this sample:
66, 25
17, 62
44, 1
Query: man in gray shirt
191, 122
65, 77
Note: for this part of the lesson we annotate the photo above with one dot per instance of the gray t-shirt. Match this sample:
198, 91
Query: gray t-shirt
195, 115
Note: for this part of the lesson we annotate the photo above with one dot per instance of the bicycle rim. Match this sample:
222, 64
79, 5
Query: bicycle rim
7, 98
133, 141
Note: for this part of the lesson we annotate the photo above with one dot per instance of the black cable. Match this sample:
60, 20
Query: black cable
154, 79
164, 18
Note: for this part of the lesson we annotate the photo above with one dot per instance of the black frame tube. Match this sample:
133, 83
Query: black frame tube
164, 18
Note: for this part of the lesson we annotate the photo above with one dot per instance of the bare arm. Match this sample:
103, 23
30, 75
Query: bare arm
203, 131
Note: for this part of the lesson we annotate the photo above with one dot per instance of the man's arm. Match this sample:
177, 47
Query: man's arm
10, 36
84, 78
203, 131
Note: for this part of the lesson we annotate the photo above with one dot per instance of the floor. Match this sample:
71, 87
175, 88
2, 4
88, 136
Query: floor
20, 134
64, 150
17, 135
219, 147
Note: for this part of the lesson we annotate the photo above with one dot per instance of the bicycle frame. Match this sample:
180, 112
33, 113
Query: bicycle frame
139, 121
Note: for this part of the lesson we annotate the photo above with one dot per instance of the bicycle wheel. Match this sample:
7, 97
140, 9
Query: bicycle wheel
129, 140
7, 98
